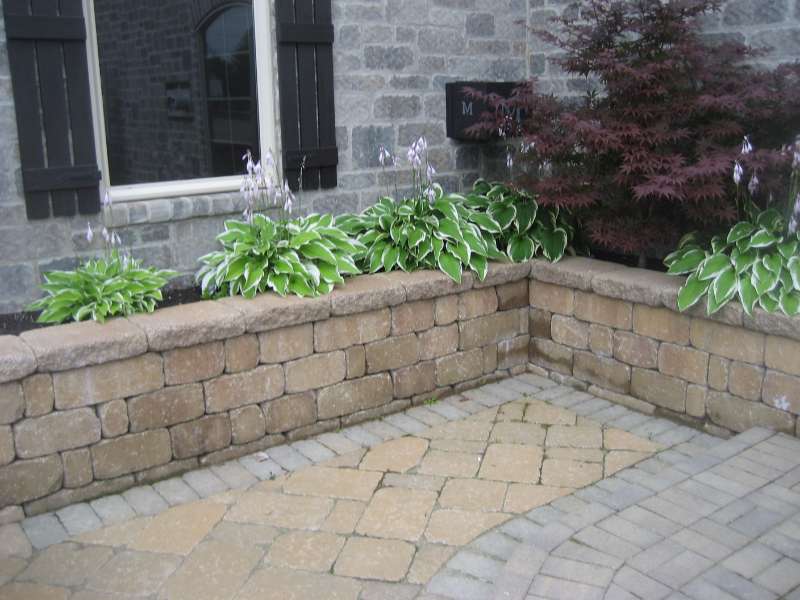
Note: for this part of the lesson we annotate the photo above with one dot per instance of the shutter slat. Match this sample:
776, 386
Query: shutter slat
305, 34
307, 91
327, 111
287, 78
20, 27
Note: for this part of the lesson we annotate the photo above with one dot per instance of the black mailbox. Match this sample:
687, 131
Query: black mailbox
464, 111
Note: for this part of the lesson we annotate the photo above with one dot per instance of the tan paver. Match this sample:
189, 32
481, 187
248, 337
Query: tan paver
274, 583
374, 559
66, 564
307, 550
398, 455
120, 534
513, 411
459, 527
616, 439
546, 414
450, 464
473, 494
281, 510
214, 570
507, 432
179, 529
476, 430
616, 460
143, 572
10, 567
428, 560
398, 513
14, 542
344, 516
579, 436
352, 484
570, 473
470, 447
350, 459
245, 534
580, 454
522, 497
511, 462
32, 591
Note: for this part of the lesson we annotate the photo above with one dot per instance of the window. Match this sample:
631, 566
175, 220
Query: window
179, 96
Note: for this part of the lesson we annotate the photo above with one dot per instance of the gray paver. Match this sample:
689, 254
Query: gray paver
361, 436
461, 587
383, 430
79, 518
406, 423
475, 565
449, 412
496, 544
313, 451
145, 500
582, 572
681, 569
204, 482
261, 466
44, 530
640, 584
112, 509
234, 475
288, 458
751, 560
338, 443
426, 415
781, 577
175, 491
561, 589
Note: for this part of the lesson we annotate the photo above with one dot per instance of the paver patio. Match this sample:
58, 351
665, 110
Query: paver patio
478, 496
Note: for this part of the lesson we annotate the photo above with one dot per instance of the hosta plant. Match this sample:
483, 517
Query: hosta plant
116, 285
304, 256
758, 262
521, 227
416, 233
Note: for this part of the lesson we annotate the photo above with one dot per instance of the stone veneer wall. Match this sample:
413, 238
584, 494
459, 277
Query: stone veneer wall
89, 409
617, 330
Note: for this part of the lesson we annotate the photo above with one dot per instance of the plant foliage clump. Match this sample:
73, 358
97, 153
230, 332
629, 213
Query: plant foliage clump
646, 154
116, 285
304, 256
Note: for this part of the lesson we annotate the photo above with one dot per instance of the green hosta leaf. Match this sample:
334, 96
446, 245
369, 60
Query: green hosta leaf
450, 266
744, 261
278, 282
762, 239
774, 263
713, 266
345, 264
691, 292
554, 243
790, 302
330, 273
770, 219
687, 262
740, 231
415, 237
486, 222
520, 248
526, 215
459, 250
768, 303
788, 249
724, 287
502, 212
450, 228
793, 266
303, 238
763, 279
389, 258
480, 265
299, 286
747, 294
447, 208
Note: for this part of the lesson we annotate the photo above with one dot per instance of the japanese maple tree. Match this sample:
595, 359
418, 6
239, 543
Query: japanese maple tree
648, 153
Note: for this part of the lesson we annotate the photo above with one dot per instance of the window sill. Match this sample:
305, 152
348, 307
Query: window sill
171, 189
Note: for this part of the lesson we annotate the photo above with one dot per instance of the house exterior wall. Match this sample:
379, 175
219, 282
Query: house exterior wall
391, 61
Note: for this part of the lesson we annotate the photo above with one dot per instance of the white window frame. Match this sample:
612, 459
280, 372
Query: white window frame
268, 139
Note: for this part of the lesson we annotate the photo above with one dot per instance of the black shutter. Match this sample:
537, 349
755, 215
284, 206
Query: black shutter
50, 77
305, 84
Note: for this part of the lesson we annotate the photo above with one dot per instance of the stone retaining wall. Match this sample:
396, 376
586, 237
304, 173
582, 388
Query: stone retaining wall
618, 330
89, 409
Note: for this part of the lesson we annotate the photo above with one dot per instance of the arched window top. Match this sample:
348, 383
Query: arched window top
229, 30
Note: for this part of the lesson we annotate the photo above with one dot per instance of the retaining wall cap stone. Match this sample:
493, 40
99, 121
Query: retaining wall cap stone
421, 285
366, 292
271, 311
74, 345
730, 314
16, 359
574, 271
504, 272
190, 324
636, 285
773, 323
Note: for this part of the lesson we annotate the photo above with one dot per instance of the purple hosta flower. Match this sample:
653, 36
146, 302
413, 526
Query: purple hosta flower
106, 235
747, 147
752, 186
738, 172
395, 162
106, 200
430, 172
501, 132
509, 159
430, 194
288, 198
89, 233
383, 155
269, 159
794, 221
115, 239
526, 147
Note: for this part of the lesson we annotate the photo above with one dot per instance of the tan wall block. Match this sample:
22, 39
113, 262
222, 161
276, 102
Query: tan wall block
552, 298
6, 445
130, 453
354, 395
539, 323
241, 353
77, 467
12, 402
513, 295
116, 379
413, 380
26, 480
289, 343
62, 430
635, 350
683, 362
604, 311
446, 309
490, 358
605, 372
165, 407
412, 316
195, 363
356, 358
476, 303
247, 424
438, 341
239, 389
513, 352
341, 332
201, 436
731, 342
739, 415
659, 389
570, 332
458, 367
113, 418
601, 340
661, 324
696, 398
315, 371
489, 329
290, 412
551, 356
745, 380
782, 391
392, 353
718, 373
38, 391
782, 354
